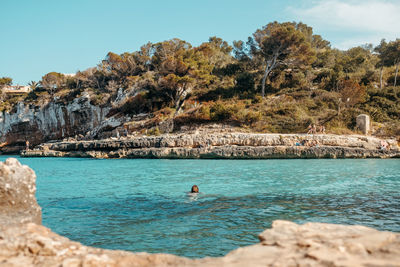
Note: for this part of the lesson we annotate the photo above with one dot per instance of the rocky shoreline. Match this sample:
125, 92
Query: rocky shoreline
222, 146
25, 242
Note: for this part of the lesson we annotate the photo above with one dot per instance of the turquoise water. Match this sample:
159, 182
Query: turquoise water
142, 205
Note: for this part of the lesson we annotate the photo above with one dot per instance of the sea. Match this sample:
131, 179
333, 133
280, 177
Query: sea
145, 205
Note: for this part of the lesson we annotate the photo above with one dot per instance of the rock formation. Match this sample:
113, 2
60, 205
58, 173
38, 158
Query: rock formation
24, 242
319, 244
53, 121
222, 145
17, 194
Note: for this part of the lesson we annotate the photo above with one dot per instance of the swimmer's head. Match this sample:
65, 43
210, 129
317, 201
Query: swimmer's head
195, 189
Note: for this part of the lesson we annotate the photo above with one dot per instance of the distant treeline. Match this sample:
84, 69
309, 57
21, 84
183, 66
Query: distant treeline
280, 63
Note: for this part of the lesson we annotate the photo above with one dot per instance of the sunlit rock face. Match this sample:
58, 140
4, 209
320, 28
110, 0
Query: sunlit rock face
52, 121
17, 194
222, 145
322, 244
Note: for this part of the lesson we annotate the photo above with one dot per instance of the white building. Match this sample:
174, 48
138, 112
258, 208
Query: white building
16, 89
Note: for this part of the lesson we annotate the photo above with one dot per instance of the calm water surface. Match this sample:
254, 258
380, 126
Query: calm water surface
142, 205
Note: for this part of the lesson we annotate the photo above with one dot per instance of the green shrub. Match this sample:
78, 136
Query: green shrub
220, 112
32, 96
204, 112
154, 131
136, 104
253, 117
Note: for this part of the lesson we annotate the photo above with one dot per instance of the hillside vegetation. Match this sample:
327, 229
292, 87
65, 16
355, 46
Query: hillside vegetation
281, 79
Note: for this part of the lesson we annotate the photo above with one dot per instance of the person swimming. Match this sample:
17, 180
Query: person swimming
195, 189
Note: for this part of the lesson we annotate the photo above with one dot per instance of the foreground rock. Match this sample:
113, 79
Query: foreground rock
319, 244
285, 244
222, 145
17, 194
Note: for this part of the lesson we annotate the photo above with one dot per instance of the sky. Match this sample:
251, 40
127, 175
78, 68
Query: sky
40, 36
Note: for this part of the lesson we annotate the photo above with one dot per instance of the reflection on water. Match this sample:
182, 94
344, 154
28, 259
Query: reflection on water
192, 196
142, 205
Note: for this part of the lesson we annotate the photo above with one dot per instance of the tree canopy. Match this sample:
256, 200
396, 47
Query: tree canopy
52, 81
5, 81
176, 69
389, 55
281, 44
243, 80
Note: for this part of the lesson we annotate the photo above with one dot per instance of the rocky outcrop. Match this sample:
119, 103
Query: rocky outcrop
222, 145
17, 194
285, 244
36, 245
26, 243
319, 244
53, 121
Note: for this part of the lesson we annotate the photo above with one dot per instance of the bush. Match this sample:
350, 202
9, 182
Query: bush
252, 117
97, 98
393, 129
32, 96
204, 112
391, 92
220, 112
245, 84
154, 131
164, 113
352, 93
257, 99
136, 104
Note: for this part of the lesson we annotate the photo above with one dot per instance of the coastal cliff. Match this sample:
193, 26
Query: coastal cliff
222, 145
53, 121
24, 242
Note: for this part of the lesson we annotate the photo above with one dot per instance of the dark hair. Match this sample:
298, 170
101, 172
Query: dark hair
195, 189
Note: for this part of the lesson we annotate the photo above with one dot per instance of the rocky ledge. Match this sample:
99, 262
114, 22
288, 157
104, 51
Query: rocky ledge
223, 145
24, 242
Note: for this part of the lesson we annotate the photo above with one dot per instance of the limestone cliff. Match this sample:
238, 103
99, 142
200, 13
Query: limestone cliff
27, 243
52, 121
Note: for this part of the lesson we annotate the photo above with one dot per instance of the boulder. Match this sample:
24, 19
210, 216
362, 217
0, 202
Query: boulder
17, 194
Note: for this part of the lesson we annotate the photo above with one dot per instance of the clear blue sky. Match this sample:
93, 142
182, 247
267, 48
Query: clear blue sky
39, 36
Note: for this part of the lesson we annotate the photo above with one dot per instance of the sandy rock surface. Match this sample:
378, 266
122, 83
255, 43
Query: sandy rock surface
17, 194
